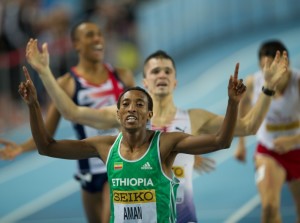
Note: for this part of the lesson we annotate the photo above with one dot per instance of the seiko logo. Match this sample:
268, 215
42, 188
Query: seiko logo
136, 196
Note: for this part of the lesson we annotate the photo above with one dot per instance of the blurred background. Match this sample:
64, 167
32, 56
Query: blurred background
206, 39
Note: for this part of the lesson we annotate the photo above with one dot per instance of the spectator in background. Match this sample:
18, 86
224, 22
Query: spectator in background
1, 25
118, 21
20, 21
50, 22
23, 19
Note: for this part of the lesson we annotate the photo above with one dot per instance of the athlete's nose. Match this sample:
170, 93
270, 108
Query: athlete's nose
162, 74
132, 107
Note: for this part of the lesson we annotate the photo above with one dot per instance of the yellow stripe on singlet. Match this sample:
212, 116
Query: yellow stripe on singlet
283, 127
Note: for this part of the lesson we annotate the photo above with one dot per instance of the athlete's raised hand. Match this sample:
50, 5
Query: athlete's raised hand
275, 70
39, 60
236, 87
27, 89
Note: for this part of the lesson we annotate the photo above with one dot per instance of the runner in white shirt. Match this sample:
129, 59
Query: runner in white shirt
277, 156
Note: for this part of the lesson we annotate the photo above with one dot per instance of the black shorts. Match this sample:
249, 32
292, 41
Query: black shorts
92, 182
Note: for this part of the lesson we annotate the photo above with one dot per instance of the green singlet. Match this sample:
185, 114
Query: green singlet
140, 192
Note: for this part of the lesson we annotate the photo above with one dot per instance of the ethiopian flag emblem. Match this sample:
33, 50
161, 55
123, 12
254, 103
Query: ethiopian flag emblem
118, 165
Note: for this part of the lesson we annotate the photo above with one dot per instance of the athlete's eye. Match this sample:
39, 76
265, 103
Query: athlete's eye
155, 71
90, 34
140, 104
125, 103
168, 71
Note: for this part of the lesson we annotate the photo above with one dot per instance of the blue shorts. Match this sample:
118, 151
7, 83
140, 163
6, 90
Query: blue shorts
92, 182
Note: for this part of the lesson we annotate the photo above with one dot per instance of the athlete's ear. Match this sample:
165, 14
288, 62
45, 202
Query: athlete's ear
150, 115
75, 44
175, 83
118, 115
145, 84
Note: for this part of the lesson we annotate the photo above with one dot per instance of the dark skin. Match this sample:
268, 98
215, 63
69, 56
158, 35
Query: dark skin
133, 115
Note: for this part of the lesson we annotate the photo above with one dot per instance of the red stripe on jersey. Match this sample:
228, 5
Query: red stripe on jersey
116, 89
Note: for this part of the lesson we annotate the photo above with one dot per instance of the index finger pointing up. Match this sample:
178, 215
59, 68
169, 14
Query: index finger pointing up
26, 73
236, 72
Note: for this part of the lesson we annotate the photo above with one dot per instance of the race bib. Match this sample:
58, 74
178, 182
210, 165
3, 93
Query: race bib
137, 206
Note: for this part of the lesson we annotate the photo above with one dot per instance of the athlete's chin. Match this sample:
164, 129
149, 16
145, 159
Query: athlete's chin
96, 60
131, 128
162, 93
97, 57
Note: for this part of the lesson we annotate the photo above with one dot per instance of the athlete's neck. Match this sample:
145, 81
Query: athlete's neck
92, 72
134, 141
164, 110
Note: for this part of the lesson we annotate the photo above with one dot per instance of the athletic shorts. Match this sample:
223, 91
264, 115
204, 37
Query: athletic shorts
92, 182
290, 161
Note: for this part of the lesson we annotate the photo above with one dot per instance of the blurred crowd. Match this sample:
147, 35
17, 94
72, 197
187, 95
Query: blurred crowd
50, 21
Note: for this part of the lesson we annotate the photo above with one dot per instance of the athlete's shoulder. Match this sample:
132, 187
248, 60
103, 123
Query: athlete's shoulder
65, 78
126, 76
102, 139
67, 83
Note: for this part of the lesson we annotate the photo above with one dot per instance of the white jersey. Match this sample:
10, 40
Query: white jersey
283, 117
182, 168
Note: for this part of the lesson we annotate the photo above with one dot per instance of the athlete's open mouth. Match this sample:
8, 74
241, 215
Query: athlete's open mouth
131, 118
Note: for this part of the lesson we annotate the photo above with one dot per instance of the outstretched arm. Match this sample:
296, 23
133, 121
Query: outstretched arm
245, 105
273, 72
103, 118
223, 138
250, 117
12, 149
250, 121
46, 145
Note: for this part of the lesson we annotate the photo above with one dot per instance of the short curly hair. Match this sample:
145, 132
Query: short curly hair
150, 101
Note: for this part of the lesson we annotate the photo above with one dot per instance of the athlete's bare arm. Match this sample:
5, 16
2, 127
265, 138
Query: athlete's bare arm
204, 143
246, 102
66, 149
12, 149
252, 117
103, 118
245, 105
